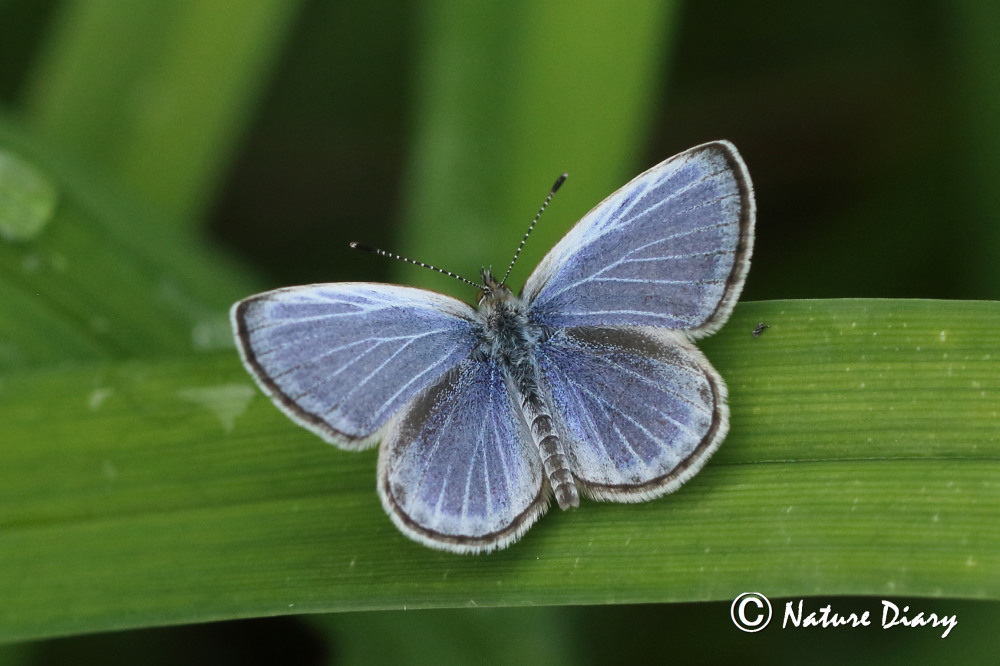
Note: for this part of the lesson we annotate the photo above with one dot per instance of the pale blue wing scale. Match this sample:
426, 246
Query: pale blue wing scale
640, 410
341, 359
458, 469
670, 249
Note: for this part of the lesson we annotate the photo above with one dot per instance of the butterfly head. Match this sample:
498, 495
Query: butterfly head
491, 290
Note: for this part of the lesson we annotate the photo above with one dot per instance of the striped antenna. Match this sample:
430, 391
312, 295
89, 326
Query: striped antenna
391, 255
555, 188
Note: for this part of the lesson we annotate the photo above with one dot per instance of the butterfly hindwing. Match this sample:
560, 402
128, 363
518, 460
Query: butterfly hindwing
639, 410
341, 359
458, 469
670, 249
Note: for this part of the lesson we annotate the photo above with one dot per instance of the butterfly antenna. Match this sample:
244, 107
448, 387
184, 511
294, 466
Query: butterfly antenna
391, 255
555, 188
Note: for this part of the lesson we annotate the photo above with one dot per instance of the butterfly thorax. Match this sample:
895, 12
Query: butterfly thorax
509, 340
507, 335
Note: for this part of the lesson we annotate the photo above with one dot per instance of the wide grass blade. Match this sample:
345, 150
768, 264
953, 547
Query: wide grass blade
864, 458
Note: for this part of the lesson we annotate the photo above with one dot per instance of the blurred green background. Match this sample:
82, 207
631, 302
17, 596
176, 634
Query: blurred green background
238, 146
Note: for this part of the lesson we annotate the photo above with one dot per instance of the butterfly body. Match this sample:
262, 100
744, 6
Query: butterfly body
585, 384
509, 339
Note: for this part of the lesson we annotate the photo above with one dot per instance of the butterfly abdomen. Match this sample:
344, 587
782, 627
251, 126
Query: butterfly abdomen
550, 447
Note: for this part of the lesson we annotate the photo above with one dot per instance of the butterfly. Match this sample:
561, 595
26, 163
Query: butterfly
587, 383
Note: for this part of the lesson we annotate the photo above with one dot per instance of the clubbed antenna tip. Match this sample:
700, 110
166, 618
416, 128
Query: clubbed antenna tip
552, 192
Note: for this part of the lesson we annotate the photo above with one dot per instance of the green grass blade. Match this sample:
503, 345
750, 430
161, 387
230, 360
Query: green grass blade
84, 275
551, 88
864, 458
158, 93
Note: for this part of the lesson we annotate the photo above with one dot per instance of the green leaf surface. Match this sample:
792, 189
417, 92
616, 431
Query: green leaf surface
551, 87
27, 198
157, 93
864, 458
86, 275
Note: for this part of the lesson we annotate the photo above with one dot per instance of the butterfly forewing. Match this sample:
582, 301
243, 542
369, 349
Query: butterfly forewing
458, 469
342, 359
670, 249
640, 410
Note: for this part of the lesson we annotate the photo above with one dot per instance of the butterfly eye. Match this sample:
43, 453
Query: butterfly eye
481, 295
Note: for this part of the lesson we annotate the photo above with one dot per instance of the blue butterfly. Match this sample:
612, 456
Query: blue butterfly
587, 383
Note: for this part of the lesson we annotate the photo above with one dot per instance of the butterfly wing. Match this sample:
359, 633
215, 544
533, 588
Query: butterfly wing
640, 410
670, 249
458, 469
341, 359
